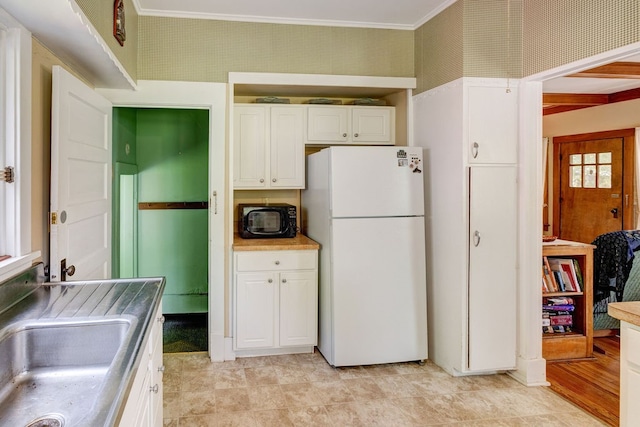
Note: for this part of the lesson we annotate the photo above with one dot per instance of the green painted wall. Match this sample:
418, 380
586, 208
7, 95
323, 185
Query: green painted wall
169, 156
172, 158
124, 163
124, 134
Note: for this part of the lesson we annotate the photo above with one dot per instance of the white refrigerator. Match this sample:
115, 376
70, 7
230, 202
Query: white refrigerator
364, 205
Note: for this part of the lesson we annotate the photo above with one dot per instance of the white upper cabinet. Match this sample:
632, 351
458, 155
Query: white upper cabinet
493, 124
287, 147
328, 124
249, 147
331, 124
268, 143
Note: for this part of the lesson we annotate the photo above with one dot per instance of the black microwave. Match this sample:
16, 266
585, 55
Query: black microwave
266, 221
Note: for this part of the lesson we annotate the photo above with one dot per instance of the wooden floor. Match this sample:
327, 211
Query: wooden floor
593, 385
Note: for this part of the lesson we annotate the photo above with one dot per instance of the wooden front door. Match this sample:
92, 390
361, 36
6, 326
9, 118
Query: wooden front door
593, 186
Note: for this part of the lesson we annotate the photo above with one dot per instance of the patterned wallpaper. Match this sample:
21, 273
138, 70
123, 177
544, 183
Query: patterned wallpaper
492, 38
207, 50
439, 49
558, 32
471, 38
100, 13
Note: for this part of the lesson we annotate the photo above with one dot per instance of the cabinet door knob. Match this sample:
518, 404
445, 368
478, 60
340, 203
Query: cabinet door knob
273, 180
154, 389
476, 238
474, 151
277, 263
284, 280
344, 135
355, 135
261, 180
270, 281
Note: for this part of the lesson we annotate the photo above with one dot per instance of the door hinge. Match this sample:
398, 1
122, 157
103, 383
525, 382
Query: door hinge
54, 218
7, 174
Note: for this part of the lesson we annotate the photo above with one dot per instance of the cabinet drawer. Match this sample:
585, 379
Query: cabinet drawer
276, 260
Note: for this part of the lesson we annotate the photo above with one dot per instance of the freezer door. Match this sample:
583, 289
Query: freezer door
376, 181
378, 291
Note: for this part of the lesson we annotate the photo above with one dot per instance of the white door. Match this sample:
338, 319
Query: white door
80, 180
492, 268
376, 181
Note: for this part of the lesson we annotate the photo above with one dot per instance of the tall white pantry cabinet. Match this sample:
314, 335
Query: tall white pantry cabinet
469, 130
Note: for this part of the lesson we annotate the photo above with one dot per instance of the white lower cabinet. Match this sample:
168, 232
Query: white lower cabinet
629, 374
276, 301
144, 404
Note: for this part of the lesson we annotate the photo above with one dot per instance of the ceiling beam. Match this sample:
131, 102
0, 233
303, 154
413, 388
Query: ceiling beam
615, 70
575, 98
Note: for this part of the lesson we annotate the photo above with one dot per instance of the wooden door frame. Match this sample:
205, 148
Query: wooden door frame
628, 182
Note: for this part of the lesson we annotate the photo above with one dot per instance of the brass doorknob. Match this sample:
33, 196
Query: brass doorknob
70, 271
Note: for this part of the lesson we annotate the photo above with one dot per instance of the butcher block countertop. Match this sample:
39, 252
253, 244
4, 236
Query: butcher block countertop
626, 311
300, 242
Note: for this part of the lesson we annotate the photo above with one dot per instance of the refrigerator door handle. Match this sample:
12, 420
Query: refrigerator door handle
476, 238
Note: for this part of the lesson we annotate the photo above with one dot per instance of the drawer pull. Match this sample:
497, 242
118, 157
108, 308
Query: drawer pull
155, 389
277, 262
270, 280
284, 280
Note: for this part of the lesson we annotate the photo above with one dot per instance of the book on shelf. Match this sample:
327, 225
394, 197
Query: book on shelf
549, 281
567, 271
556, 329
576, 267
559, 300
561, 319
557, 314
558, 307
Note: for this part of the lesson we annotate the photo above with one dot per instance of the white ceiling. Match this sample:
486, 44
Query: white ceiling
391, 14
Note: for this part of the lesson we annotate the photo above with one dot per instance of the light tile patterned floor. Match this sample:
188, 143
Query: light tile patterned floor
303, 390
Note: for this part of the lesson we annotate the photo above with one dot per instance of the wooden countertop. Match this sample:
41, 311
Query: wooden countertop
300, 242
626, 311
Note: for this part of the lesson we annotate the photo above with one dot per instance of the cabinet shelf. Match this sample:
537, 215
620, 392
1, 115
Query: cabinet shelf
561, 294
577, 344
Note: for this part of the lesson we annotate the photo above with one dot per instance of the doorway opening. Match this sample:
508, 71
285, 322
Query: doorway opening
161, 215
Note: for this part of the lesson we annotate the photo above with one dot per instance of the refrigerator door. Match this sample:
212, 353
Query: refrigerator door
376, 181
378, 291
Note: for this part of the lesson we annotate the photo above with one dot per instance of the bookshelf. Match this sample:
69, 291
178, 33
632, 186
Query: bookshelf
578, 343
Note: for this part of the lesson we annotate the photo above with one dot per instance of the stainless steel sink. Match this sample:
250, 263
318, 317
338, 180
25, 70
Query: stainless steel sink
56, 370
69, 350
